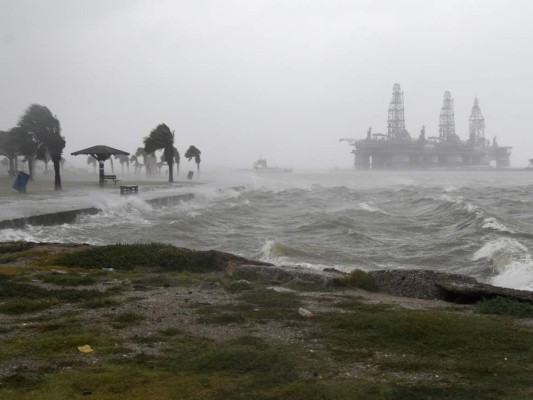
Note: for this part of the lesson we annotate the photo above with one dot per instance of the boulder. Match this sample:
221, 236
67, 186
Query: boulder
428, 284
282, 274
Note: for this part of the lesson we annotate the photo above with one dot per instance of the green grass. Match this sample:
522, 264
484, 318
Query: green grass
14, 247
55, 343
154, 255
68, 279
8, 259
357, 278
260, 305
306, 286
18, 297
100, 303
159, 280
272, 363
171, 331
349, 350
239, 286
125, 319
477, 348
503, 306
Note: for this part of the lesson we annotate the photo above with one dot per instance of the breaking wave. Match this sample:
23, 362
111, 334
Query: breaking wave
343, 220
512, 264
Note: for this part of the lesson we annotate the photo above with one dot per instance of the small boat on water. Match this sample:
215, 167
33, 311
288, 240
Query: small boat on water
261, 166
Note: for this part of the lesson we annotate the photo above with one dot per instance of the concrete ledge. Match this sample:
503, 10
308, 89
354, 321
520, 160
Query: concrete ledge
66, 217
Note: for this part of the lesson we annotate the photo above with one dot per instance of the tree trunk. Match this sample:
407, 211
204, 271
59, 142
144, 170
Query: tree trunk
57, 170
170, 171
30, 167
198, 167
11, 166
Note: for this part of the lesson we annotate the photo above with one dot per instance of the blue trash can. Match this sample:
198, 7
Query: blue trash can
20, 182
190, 174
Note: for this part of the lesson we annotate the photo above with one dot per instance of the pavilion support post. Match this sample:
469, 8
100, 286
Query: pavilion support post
101, 169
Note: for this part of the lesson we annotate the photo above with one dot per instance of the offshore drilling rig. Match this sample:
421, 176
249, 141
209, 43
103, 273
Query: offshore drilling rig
397, 150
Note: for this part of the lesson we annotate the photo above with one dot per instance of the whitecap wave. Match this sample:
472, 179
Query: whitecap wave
493, 224
361, 206
279, 254
512, 263
450, 189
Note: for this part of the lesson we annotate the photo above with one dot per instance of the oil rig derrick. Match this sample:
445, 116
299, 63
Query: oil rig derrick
447, 120
476, 125
397, 150
396, 121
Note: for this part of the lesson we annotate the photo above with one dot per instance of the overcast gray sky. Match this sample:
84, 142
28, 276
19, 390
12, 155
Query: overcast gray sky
286, 79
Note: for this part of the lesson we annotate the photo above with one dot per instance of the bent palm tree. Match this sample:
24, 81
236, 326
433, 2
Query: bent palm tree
92, 161
162, 138
27, 146
193, 152
123, 159
141, 153
177, 160
45, 126
9, 148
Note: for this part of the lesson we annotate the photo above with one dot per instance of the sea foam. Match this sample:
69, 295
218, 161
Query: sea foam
512, 263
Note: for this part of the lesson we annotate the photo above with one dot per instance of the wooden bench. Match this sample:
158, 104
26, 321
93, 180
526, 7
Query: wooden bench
111, 178
129, 189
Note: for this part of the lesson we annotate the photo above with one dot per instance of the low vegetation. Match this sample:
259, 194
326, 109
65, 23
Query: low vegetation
503, 306
357, 279
172, 325
153, 255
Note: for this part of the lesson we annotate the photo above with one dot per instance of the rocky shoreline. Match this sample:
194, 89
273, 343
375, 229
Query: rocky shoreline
415, 283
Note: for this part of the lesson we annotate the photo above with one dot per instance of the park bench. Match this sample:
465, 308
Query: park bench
111, 178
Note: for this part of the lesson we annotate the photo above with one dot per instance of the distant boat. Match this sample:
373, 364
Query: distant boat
261, 166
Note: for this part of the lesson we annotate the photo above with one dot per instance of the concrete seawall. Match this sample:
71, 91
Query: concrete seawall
66, 217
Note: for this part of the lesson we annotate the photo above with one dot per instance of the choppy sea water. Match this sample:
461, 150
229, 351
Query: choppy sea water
475, 223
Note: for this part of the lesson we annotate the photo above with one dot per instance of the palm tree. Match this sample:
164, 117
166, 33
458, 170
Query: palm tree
162, 138
193, 152
92, 161
136, 165
27, 146
123, 159
9, 148
141, 153
44, 156
177, 160
39, 121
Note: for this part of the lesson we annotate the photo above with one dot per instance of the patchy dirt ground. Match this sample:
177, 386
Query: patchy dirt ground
183, 304
147, 314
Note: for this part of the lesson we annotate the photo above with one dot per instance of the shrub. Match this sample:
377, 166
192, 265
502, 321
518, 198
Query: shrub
239, 286
357, 278
14, 247
503, 306
129, 256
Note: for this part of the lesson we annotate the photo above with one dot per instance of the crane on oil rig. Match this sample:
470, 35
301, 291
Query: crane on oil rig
352, 140
349, 140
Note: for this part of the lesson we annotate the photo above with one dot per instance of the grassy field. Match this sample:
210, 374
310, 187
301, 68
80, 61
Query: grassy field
168, 323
